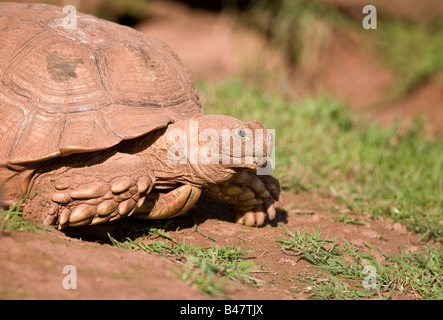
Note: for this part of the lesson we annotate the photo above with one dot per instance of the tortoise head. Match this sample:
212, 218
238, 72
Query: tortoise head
216, 146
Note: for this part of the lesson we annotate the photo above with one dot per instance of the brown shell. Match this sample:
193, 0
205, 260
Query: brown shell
65, 91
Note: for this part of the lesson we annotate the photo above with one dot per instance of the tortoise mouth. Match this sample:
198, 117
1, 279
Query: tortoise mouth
248, 159
250, 162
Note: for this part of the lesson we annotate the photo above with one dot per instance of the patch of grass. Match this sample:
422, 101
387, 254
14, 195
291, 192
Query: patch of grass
12, 220
205, 268
319, 147
10, 294
309, 246
347, 272
345, 219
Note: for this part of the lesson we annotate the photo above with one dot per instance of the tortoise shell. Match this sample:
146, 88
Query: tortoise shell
65, 91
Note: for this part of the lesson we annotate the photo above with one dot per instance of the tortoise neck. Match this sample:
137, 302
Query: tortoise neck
168, 152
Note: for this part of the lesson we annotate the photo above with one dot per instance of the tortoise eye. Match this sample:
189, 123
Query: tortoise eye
241, 133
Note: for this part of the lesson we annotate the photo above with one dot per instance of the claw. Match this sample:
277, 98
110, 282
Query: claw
125, 206
247, 194
82, 215
252, 202
62, 183
123, 196
98, 220
270, 209
53, 208
238, 216
121, 184
233, 190
259, 215
140, 202
249, 218
143, 184
257, 185
49, 220
274, 190
61, 197
243, 178
89, 191
64, 218
264, 194
106, 207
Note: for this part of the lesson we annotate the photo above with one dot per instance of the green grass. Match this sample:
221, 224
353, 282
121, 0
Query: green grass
371, 169
11, 220
205, 268
343, 269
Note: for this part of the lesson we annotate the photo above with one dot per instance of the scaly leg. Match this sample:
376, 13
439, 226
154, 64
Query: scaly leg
252, 197
88, 189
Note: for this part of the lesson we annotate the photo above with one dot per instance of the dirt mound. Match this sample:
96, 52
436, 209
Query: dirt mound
32, 268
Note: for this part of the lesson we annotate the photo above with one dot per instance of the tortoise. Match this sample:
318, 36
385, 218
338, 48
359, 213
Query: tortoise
93, 124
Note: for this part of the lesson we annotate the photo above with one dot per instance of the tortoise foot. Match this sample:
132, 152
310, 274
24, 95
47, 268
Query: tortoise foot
94, 193
252, 197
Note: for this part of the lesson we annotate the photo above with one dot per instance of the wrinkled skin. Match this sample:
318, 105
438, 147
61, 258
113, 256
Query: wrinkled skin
251, 197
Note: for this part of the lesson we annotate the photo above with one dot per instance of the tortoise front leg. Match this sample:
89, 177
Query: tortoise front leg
88, 189
251, 197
